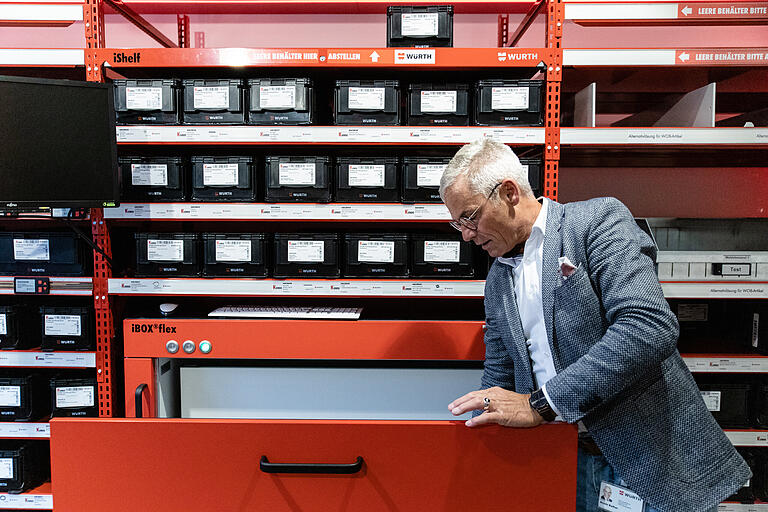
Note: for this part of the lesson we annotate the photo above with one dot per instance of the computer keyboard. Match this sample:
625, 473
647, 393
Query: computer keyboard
323, 313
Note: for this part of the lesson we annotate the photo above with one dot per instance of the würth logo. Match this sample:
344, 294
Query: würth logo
414, 56
123, 57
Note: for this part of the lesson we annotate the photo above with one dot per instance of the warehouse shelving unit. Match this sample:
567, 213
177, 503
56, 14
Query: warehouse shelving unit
552, 139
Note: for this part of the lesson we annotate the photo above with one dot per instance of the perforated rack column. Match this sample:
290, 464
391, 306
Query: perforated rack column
554, 34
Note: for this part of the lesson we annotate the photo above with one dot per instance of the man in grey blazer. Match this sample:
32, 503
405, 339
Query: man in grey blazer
578, 329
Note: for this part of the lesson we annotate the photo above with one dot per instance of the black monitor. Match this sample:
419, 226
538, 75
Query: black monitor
58, 144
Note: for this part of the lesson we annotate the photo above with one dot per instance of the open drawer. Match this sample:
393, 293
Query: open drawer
227, 465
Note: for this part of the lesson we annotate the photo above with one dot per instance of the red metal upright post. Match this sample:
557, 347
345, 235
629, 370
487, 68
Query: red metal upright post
182, 21
554, 34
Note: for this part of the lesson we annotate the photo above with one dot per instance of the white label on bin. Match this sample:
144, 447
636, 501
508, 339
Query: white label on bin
366, 175
3, 323
428, 175
296, 174
438, 101
369, 98
219, 174
149, 175
755, 329
63, 325
525, 169
692, 312
233, 250
440, 251
509, 98
6, 468
712, 400
306, 251
10, 396
165, 250
31, 249
419, 23
74, 396
277, 96
211, 97
144, 98
375, 251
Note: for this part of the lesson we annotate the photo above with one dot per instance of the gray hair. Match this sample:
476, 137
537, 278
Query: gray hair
485, 162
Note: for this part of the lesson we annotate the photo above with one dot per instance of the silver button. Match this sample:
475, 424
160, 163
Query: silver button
188, 346
172, 346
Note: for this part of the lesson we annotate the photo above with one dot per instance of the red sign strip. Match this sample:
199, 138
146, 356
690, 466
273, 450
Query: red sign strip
722, 57
723, 10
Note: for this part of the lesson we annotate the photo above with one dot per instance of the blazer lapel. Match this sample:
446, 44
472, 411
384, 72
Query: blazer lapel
516, 341
550, 276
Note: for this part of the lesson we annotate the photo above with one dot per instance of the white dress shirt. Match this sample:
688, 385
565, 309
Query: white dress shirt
527, 281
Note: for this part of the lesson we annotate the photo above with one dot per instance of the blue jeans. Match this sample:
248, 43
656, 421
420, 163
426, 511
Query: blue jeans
593, 469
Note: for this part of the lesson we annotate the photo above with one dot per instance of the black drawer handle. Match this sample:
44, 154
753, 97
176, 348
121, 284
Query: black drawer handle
138, 399
324, 469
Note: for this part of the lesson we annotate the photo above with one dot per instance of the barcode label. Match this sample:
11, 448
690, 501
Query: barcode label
277, 96
509, 98
233, 250
6, 468
144, 98
31, 250
75, 396
63, 325
428, 175
10, 396
220, 174
149, 175
419, 24
211, 97
165, 250
438, 251
712, 400
296, 174
375, 251
366, 175
306, 251
438, 101
366, 98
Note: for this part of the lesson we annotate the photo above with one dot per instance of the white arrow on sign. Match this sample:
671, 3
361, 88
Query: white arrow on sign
686, 10
375, 56
684, 57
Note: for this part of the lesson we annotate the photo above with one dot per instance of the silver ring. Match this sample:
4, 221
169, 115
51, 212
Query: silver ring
486, 403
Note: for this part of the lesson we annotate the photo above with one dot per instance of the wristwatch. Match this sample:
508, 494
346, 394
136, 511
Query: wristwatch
540, 404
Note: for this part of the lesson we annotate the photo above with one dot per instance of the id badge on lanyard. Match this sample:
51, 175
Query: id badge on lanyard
615, 498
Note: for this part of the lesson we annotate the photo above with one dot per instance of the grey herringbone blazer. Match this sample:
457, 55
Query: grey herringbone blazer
613, 340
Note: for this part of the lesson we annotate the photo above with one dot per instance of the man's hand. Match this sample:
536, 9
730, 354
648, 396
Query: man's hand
506, 408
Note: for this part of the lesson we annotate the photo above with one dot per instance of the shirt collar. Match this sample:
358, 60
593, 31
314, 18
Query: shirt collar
538, 230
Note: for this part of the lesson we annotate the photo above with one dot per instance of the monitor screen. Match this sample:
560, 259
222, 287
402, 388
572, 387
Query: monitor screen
57, 144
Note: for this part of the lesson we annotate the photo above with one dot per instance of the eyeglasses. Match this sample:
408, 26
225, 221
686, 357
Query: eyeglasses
470, 222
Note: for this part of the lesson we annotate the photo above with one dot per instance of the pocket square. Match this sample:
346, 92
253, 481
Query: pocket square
566, 267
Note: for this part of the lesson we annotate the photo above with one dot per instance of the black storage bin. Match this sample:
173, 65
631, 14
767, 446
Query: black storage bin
297, 179
275, 101
438, 105
509, 103
366, 102
746, 493
24, 398
533, 167
375, 255
421, 179
760, 477
441, 255
66, 328
147, 101
235, 254
167, 254
223, 178
18, 327
25, 465
53, 254
153, 178
214, 101
728, 399
367, 179
74, 397
761, 405
306, 255
420, 26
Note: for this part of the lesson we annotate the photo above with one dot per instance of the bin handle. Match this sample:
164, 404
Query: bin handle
325, 469
138, 402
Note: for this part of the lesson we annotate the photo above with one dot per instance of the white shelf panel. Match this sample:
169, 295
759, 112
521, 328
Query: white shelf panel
265, 211
663, 136
59, 285
725, 364
741, 507
12, 358
324, 134
59, 13
748, 438
26, 501
25, 430
616, 11
715, 290
41, 57
298, 287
